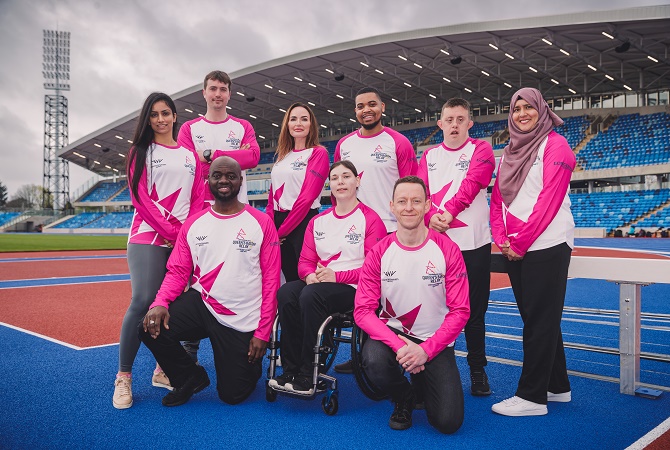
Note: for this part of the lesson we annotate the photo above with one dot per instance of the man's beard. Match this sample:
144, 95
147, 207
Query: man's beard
371, 126
225, 197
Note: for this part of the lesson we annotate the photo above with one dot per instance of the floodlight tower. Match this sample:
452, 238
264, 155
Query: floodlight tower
56, 72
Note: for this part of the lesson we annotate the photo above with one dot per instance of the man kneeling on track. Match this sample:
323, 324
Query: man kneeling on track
232, 250
421, 279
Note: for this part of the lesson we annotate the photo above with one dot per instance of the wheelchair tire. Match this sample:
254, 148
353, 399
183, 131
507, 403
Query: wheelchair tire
330, 404
358, 338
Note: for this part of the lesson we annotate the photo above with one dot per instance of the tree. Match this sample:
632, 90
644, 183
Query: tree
3, 195
32, 196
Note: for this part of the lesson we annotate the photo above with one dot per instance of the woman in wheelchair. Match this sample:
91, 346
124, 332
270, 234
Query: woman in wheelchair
336, 242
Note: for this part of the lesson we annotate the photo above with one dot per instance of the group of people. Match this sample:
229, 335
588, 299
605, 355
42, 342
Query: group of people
407, 246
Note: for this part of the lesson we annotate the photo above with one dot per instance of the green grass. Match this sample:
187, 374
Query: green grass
36, 242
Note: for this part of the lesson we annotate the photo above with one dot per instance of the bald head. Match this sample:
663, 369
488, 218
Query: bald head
226, 161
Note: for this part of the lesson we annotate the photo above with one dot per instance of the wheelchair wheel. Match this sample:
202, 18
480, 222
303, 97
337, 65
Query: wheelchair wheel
330, 404
358, 338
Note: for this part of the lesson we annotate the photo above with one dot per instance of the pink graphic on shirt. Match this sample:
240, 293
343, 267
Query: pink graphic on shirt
241, 234
463, 157
430, 268
206, 282
188, 160
360, 175
438, 197
406, 320
231, 135
513, 224
168, 203
378, 149
277, 195
352, 229
325, 262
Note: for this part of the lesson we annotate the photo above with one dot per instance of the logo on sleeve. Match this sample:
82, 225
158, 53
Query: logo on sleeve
243, 244
380, 155
352, 237
463, 162
232, 140
432, 276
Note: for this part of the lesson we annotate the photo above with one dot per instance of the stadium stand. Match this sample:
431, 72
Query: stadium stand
631, 140
112, 220
123, 196
7, 216
103, 191
80, 220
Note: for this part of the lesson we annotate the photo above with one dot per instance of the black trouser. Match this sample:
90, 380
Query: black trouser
539, 282
290, 249
478, 266
302, 309
440, 381
190, 319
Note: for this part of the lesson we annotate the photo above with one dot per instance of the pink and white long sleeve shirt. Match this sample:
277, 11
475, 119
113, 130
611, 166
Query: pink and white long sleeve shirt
223, 139
236, 265
169, 191
540, 216
296, 184
423, 290
340, 242
380, 161
457, 179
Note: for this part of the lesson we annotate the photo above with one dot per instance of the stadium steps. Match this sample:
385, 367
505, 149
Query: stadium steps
429, 137
500, 136
580, 146
608, 121
115, 194
649, 213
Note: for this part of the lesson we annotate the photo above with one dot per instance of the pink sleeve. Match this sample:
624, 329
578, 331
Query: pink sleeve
477, 178
184, 138
270, 270
179, 268
497, 224
147, 210
337, 156
375, 231
308, 256
422, 172
248, 158
405, 155
315, 177
558, 164
458, 300
270, 208
367, 299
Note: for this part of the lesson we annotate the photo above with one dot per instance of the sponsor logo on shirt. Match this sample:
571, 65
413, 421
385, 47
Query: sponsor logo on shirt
232, 140
319, 235
463, 162
432, 276
344, 154
486, 161
189, 165
563, 165
432, 166
352, 237
298, 164
537, 160
200, 139
201, 240
243, 244
380, 155
388, 276
156, 163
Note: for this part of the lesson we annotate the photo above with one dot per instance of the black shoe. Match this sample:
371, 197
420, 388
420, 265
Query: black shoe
194, 384
301, 384
401, 418
479, 382
345, 367
281, 380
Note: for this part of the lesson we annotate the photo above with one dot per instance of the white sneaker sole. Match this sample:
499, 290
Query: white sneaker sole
563, 397
118, 406
162, 385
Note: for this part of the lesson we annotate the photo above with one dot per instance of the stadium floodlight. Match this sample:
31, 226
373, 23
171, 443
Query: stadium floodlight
456, 61
623, 48
56, 60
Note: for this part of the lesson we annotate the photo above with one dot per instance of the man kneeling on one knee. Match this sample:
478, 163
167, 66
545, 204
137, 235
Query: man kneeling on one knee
232, 251
420, 277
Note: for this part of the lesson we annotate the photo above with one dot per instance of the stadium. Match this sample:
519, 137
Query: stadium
606, 74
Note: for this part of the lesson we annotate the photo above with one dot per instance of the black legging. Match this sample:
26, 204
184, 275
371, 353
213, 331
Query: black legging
292, 246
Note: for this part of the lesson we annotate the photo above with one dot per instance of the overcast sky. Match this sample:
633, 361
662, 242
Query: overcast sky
121, 50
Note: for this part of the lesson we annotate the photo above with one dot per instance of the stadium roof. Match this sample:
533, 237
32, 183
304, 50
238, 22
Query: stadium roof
563, 55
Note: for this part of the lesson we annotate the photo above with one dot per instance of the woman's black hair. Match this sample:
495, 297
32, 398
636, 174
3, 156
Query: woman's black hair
144, 136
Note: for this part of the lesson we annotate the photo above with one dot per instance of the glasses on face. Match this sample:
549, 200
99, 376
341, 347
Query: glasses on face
459, 120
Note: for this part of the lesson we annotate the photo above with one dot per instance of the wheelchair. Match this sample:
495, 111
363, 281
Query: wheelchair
331, 334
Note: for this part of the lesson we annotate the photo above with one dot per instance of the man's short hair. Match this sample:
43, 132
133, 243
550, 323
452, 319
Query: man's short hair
369, 90
412, 179
455, 102
218, 75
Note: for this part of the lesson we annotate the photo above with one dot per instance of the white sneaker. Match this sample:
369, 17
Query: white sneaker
123, 393
563, 397
516, 407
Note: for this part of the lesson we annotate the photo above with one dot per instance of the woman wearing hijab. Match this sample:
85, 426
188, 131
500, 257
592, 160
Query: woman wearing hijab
532, 224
